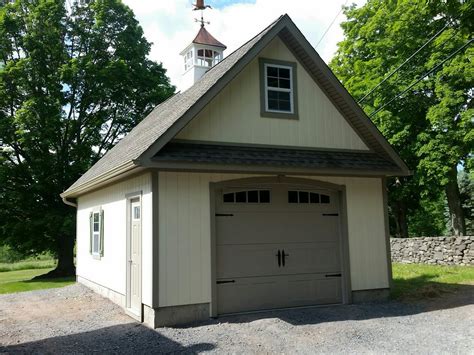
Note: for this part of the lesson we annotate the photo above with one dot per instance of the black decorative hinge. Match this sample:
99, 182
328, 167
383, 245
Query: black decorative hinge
224, 215
330, 214
334, 275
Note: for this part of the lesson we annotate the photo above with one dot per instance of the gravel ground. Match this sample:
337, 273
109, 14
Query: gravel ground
73, 319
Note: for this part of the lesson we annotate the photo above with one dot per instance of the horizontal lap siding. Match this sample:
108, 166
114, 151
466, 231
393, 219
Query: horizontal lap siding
110, 270
234, 114
185, 234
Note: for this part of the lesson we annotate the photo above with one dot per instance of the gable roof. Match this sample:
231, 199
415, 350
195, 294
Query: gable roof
204, 37
167, 119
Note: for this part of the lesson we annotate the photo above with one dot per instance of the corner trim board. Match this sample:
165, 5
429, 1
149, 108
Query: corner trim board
155, 188
387, 232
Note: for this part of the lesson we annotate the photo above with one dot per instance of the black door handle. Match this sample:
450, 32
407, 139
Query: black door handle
279, 258
283, 256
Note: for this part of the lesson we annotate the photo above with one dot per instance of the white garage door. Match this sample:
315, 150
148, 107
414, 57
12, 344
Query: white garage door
277, 246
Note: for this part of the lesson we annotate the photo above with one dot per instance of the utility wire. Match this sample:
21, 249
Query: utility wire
330, 25
423, 76
405, 62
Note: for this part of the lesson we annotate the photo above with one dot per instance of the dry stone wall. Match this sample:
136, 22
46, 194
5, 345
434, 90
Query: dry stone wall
436, 250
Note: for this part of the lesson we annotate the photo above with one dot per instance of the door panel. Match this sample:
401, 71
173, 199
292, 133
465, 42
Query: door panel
275, 227
134, 261
311, 258
257, 293
247, 260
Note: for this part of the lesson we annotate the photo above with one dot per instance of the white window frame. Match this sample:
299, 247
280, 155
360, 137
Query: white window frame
290, 90
96, 237
96, 253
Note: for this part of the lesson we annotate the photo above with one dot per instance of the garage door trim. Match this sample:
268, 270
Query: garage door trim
251, 182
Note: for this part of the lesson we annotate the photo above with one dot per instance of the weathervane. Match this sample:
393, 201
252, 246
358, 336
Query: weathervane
199, 5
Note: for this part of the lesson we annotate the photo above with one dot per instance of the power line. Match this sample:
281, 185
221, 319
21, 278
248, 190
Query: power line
423, 76
330, 25
405, 62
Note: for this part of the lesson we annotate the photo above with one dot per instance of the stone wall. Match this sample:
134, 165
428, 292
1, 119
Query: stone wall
436, 250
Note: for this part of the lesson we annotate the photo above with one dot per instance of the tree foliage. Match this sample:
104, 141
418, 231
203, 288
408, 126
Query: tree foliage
431, 125
73, 81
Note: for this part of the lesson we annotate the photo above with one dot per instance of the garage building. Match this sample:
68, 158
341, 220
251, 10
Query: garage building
261, 186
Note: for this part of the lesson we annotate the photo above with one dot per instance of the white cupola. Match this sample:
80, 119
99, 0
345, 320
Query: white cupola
202, 54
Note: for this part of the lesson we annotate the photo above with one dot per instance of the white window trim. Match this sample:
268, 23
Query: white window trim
96, 254
290, 90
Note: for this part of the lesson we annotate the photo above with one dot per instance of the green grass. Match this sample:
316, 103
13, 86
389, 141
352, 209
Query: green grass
28, 264
420, 281
21, 280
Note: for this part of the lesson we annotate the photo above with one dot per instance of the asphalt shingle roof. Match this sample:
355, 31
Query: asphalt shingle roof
278, 157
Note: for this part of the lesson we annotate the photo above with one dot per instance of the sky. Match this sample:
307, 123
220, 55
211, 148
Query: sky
170, 25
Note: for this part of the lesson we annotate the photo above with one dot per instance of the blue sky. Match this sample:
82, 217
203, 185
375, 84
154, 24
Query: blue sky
223, 3
170, 24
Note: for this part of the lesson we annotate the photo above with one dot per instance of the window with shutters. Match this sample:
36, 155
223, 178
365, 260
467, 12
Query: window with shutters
278, 89
97, 233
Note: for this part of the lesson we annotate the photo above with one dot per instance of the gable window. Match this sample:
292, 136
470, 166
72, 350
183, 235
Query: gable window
96, 247
278, 89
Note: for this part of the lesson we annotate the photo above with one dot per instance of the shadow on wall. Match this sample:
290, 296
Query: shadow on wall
129, 338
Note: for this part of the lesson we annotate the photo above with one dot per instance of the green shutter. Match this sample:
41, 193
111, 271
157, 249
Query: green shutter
91, 230
101, 232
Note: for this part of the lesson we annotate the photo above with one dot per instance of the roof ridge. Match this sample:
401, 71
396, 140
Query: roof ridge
250, 40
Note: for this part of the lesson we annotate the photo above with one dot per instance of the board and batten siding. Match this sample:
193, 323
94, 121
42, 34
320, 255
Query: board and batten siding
233, 116
110, 270
185, 230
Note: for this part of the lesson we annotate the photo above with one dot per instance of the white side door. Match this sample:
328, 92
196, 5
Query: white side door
134, 258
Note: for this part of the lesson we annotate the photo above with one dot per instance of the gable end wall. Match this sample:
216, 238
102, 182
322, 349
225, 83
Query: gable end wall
233, 116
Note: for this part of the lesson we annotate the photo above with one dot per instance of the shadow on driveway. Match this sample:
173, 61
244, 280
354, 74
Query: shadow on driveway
124, 339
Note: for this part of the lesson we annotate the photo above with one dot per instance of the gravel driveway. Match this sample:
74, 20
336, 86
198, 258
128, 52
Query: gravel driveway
76, 320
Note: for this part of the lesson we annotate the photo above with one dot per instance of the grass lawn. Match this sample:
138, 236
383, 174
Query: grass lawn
420, 281
20, 280
28, 264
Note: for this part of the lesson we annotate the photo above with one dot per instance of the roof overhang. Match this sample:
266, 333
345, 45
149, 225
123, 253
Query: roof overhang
114, 175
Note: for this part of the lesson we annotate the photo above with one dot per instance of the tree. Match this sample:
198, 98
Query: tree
431, 124
72, 83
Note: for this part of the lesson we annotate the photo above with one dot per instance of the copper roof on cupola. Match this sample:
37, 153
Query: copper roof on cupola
204, 37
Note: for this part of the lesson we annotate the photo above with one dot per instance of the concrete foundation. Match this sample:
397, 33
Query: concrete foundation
362, 296
176, 315
112, 295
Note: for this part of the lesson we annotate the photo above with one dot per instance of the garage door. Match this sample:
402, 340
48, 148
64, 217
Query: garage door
277, 246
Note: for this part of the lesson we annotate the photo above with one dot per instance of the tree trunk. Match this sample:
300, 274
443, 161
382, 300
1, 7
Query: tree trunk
401, 222
456, 213
66, 267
